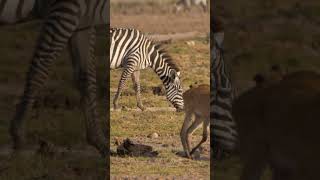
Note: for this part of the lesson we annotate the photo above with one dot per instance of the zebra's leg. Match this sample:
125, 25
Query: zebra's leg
204, 5
177, 6
183, 133
187, 5
204, 136
53, 39
136, 83
82, 52
124, 76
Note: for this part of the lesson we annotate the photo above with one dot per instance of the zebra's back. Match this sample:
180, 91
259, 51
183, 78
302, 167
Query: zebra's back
128, 42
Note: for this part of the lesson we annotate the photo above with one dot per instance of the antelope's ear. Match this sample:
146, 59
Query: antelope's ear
219, 37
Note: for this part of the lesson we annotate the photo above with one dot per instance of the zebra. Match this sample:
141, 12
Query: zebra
131, 50
186, 4
65, 22
223, 127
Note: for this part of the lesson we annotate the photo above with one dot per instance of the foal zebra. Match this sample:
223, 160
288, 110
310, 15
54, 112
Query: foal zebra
186, 4
132, 50
65, 22
222, 123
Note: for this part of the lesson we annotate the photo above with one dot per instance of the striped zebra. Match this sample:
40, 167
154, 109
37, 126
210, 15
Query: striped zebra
222, 124
132, 50
64, 22
186, 4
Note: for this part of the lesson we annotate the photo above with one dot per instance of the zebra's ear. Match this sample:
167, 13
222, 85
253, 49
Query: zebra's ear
219, 37
174, 76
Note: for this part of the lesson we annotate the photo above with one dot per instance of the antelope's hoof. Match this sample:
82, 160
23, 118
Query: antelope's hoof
142, 107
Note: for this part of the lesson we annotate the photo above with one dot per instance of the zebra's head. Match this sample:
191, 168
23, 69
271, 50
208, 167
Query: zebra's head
174, 89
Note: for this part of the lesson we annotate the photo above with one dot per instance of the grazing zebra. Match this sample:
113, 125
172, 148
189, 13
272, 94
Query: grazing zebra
222, 124
132, 50
186, 4
65, 22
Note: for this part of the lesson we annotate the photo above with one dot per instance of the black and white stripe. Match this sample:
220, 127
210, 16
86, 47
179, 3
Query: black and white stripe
222, 123
132, 50
64, 22
186, 4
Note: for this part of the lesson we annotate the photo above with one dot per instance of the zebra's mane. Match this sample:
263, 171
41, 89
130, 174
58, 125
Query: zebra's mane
165, 55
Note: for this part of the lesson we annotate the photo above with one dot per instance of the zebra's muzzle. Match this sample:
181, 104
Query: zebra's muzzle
179, 109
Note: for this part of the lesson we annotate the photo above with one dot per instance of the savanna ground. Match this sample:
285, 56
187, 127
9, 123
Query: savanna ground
54, 119
260, 34
155, 18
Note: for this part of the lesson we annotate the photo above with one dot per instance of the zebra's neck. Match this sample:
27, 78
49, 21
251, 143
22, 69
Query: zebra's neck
162, 63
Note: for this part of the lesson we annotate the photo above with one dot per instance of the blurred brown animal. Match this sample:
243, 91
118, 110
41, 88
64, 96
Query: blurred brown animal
276, 74
197, 103
278, 126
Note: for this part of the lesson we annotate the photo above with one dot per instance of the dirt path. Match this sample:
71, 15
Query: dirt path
178, 36
163, 24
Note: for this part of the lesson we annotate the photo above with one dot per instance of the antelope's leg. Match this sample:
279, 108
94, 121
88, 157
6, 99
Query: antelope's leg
196, 123
204, 135
183, 133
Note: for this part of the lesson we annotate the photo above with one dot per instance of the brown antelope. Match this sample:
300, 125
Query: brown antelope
197, 103
278, 125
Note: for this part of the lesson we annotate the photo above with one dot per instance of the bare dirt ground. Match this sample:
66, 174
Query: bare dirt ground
157, 20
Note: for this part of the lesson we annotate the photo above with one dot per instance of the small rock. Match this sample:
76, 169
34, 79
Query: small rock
153, 136
117, 141
113, 153
191, 43
124, 108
